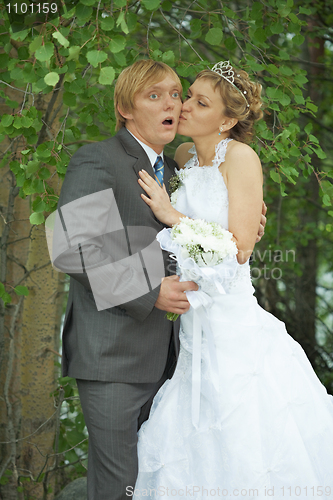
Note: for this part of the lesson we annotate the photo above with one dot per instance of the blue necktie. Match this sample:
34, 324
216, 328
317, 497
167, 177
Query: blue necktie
159, 170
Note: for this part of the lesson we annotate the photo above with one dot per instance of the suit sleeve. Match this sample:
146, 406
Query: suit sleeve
120, 267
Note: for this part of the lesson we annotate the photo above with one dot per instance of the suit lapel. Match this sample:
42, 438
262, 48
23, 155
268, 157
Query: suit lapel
133, 148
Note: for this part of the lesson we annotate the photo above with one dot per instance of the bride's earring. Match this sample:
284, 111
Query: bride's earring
221, 130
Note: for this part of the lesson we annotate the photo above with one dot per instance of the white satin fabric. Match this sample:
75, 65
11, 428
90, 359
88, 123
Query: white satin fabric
265, 424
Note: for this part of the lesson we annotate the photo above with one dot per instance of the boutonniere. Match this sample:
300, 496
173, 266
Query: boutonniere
174, 183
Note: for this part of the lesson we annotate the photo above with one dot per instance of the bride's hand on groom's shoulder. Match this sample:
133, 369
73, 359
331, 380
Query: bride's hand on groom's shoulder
172, 297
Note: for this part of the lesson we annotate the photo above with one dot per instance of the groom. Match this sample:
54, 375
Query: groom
116, 340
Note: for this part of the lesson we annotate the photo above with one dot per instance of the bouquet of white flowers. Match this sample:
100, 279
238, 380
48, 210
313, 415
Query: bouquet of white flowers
197, 244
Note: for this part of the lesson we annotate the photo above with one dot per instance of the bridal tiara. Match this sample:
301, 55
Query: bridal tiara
225, 70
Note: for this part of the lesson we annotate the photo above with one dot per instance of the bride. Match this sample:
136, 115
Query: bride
264, 426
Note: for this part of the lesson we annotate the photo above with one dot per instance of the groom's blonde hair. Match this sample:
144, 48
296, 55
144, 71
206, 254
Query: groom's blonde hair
132, 80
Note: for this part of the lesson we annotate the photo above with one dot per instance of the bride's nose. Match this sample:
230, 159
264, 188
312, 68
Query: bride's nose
186, 105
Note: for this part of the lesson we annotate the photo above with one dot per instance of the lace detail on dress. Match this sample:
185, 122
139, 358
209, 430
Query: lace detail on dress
220, 151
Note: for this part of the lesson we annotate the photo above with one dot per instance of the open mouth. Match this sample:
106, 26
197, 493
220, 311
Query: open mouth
168, 121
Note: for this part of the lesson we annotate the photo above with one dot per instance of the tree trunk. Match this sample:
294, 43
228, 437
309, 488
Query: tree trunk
29, 330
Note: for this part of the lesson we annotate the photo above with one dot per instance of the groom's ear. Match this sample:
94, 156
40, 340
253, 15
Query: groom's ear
124, 114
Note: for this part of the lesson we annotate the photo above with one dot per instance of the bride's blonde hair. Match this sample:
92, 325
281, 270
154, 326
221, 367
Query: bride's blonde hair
247, 110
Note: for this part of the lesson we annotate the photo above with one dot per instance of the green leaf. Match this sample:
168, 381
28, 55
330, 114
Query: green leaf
300, 79
230, 43
88, 2
151, 4
285, 100
27, 121
32, 167
43, 150
285, 70
38, 205
35, 44
294, 151
214, 36
95, 57
169, 58
326, 200
277, 28
51, 78
17, 122
313, 138
122, 23
2, 289
107, 23
20, 35
4, 60
7, 120
69, 99
308, 128
284, 55
120, 3
61, 39
76, 86
256, 10
120, 58
293, 18
36, 218
321, 154
132, 20
106, 75
117, 44
83, 13
284, 11
45, 52
298, 39
44, 173
15, 166
74, 51
6, 298
21, 290
299, 99
92, 130
306, 11
275, 176
260, 35
312, 106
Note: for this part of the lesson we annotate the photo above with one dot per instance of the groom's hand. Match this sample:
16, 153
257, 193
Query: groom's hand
263, 221
172, 297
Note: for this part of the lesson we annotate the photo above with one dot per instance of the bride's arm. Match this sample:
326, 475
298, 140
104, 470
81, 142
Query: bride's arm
244, 181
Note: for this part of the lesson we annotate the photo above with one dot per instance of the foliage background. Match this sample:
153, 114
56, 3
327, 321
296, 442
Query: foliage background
56, 88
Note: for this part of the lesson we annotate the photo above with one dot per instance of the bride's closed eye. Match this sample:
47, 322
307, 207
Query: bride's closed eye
188, 96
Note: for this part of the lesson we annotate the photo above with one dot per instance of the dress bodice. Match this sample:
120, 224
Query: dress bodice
203, 193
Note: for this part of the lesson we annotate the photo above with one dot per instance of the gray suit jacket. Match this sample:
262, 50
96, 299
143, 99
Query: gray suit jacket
131, 341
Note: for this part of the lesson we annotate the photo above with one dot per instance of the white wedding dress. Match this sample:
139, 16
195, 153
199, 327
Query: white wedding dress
266, 429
